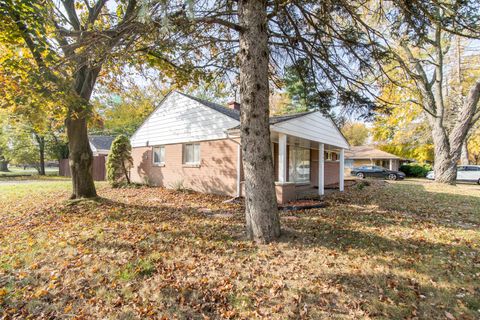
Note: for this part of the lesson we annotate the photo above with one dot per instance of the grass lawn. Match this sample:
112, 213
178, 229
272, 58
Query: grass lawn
403, 250
17, 171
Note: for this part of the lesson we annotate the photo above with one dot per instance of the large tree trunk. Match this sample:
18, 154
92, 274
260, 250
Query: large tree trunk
80, 159
448, 147
445, 166
80, 155
262, 220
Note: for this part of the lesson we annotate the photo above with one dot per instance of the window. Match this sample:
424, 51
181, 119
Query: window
472, 168
159, 155
191, 153
330, 156
348, 163
299, 165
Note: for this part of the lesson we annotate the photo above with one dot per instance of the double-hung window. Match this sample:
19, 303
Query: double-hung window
191, 153
159, 155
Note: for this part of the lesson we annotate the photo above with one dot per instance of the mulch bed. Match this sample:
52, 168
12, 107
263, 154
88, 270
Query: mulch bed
302, 205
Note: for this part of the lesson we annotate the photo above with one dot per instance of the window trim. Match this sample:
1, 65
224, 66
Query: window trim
161, 163
328, 156
184, 155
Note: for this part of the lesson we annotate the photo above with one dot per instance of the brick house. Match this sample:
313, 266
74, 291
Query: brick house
358, 156
196, 144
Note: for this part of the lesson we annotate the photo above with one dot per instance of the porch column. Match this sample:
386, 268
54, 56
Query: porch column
282, 157
342, 168
321, 171
390, 164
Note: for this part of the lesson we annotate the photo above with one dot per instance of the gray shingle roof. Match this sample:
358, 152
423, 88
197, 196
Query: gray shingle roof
277, 119
226, 111
236, 115
101, 142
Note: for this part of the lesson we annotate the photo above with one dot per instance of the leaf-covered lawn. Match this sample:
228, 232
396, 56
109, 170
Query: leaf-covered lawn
404, 250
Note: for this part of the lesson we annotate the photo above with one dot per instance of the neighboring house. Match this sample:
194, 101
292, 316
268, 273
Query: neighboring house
100, 146
192, 143
367, 155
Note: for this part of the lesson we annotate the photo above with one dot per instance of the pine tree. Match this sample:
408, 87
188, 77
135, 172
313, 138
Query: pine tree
119, 161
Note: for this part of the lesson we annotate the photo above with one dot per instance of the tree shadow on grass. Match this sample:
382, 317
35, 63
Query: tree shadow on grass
389, 296
210, 234
340, 237
407, 203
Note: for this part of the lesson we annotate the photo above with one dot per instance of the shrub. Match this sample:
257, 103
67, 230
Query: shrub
415, 169
178, 186
362, 184
119, 161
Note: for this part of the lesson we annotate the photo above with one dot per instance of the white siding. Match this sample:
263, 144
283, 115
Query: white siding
313, 126
180, 119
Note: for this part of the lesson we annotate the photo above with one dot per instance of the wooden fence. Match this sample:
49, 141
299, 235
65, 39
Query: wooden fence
98, 168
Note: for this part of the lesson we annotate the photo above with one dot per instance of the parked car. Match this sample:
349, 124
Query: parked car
464, 173
376, 172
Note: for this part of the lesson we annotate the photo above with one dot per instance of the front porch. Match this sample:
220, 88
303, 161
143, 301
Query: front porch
308, 155
304, 168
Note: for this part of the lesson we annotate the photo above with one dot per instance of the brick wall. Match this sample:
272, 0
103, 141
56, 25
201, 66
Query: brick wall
217, 172
331, 170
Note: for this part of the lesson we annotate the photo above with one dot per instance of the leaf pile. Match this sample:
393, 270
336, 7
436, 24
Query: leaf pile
380, 252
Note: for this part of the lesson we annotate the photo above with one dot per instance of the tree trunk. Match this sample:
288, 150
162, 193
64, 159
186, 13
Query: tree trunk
80, 159
125, 173
41, 154
445, 166
80, 155
4, 165
262, 220
464, 154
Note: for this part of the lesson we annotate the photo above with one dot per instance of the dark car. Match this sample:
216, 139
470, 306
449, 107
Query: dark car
376, 172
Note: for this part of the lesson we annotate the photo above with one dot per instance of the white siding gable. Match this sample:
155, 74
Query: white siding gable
180, 119
313, 126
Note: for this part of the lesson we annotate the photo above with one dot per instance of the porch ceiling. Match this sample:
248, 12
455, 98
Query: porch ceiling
301, 142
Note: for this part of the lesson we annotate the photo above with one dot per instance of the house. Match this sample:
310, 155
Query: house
100, 146
195, 144
367, 155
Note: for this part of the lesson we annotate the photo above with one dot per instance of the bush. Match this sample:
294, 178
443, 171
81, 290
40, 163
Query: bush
119, 161
415, 169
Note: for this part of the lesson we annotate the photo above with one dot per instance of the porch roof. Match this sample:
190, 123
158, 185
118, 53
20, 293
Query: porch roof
307, 129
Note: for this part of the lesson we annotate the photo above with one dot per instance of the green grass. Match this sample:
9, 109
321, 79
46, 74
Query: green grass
21, 189
18, 171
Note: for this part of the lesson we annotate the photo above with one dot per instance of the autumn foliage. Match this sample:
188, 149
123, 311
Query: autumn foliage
382, 252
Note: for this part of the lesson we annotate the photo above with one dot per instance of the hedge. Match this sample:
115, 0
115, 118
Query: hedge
415, 169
